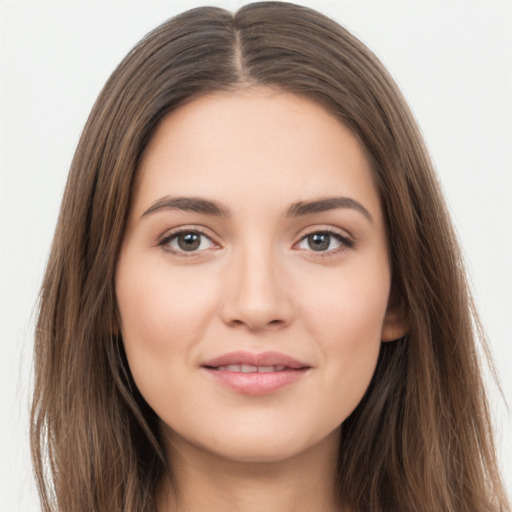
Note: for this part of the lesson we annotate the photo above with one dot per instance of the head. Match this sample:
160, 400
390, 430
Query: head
420, 371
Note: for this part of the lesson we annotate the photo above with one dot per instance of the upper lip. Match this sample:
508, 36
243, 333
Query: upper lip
262, 359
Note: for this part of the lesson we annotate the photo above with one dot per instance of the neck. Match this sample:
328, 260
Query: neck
207, 482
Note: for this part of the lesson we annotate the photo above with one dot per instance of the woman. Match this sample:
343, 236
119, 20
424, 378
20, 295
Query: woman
255, 297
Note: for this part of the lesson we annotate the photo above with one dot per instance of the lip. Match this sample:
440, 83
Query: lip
262, 359
256, 383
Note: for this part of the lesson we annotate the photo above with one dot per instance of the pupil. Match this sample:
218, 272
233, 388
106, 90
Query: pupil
319, 241
189, 242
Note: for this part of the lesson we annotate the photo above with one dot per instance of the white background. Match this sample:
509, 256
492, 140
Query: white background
452, 59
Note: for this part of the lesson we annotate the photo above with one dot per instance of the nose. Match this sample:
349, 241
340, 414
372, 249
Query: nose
256, 294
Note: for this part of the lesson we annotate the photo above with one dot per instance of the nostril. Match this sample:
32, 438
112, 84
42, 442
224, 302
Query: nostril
257, 324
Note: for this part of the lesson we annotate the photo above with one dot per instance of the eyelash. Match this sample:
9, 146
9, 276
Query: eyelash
345, 242
170, 236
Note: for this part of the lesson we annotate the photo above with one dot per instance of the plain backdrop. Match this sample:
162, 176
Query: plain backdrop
452, 60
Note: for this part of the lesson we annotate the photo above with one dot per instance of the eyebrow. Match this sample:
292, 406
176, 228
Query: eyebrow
189, 204
323, 205
216, 209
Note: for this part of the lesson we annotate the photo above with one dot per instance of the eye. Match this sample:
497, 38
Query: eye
188, 241
325, 241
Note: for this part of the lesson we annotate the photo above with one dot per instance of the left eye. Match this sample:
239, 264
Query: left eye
187, 241
323, 241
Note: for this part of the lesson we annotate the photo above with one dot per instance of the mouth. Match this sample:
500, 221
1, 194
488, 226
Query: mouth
255, 374
247, 368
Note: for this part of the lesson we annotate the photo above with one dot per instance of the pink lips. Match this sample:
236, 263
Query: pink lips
255, 374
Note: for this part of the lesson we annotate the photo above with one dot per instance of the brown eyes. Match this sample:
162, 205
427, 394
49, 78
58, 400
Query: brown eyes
193, 241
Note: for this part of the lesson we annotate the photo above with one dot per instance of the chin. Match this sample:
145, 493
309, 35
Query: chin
256, 451
253, 445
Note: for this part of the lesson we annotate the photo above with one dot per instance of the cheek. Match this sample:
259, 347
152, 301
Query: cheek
346, 320
163, 317
349, 305
157, 305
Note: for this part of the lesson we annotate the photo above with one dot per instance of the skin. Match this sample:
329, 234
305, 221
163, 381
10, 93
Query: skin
256, 284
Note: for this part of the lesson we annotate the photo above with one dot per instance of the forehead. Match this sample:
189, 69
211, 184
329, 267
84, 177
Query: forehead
256, 144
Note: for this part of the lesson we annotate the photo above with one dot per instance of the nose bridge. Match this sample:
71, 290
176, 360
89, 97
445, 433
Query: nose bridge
256, 295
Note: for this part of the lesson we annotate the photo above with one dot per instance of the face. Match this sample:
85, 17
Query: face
253, 279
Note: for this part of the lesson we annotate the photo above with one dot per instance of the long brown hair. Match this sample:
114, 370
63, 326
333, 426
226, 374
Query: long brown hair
421, 438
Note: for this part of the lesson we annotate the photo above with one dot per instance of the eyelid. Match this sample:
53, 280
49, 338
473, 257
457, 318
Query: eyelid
164, 240
347, 241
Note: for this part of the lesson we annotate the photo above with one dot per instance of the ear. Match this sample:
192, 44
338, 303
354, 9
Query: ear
396, 322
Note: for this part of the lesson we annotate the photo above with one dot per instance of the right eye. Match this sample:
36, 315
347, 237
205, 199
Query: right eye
186, 241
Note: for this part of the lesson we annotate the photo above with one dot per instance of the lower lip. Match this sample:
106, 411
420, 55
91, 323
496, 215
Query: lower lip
257, 383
